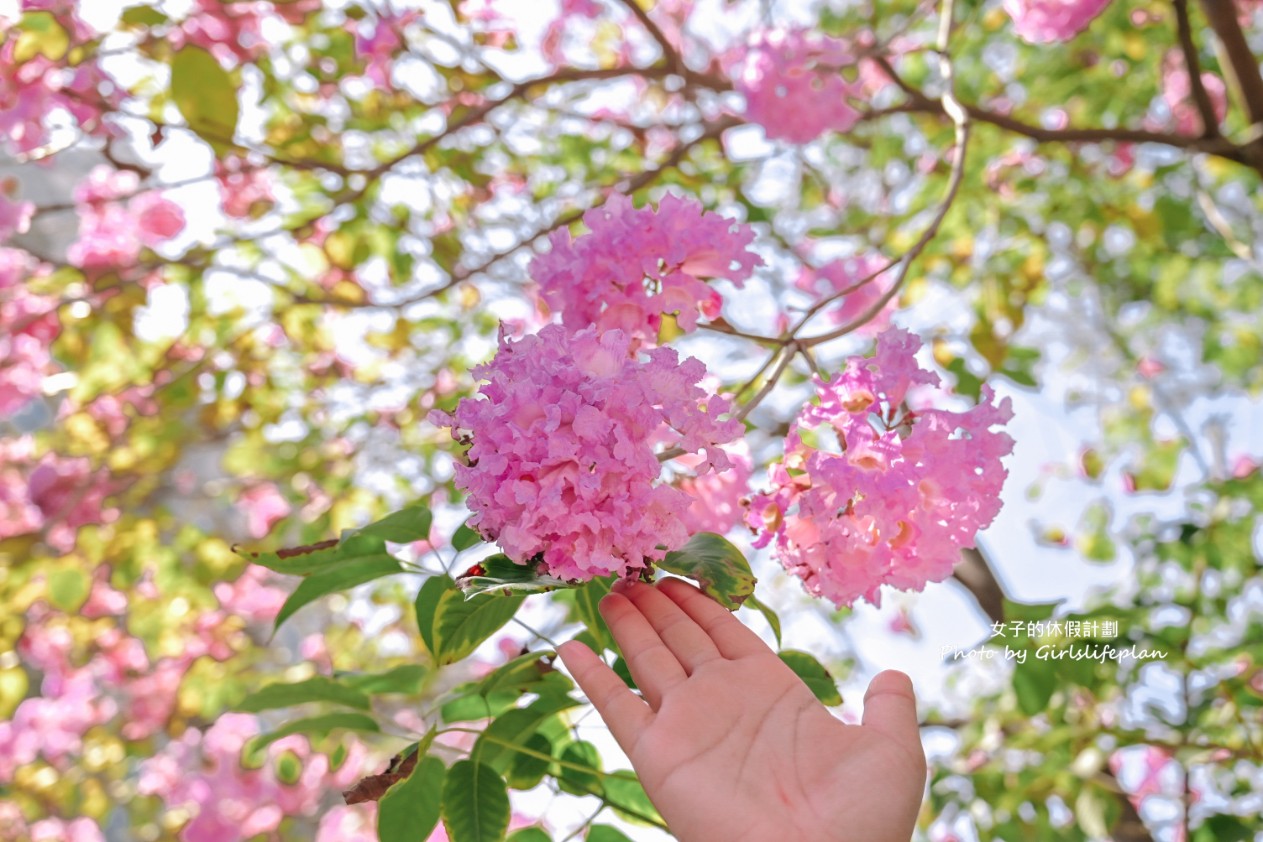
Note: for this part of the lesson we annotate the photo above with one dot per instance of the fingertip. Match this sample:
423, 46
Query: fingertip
893, 682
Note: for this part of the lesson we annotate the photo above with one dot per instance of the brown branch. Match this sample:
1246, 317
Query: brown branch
1184, 31
1240, 65
669, 52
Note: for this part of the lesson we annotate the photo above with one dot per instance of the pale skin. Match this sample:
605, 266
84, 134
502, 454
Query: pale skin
731, 745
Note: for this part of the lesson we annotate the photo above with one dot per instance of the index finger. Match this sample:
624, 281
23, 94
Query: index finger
731, 636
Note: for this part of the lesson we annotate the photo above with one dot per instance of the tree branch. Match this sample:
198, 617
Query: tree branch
1184, 31
1240, 65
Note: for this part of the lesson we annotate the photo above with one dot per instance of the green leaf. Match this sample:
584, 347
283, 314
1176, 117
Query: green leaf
318, 689
475, 803
402, 527
772, 619
464, 538
519, 675
813, 674
453, 626
405, 678
205, 95
716, 565
577, 782
606, 833
586, 599
527, 770
409, 810
529, 834
68, 588
629, 799
1034, 683
39, 34
495, 746
336, 579
314, 725
301, 561
143, 16
498, 574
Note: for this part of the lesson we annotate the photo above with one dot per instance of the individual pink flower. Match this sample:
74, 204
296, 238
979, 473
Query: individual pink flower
158, 219
877, 488
69, 495
246, 189
81, 829
863, 287
562, 463
15, 217
378, 40
233, 32
634, 265
1177, 93
793, 84
250, 596
1045, 21
28, 325
264, 506
717, 504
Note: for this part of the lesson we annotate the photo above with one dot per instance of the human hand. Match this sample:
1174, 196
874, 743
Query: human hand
731, 745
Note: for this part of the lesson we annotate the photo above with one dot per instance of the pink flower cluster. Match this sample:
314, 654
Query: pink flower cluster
14, 828
847, 275
1046, 21
902, 490
39, 86
637, 264
1177, 93
717, 495
15, 216
562, 463
28, 325
378, 41
55, 493
246, 189
202, 772
792, 83
111, 233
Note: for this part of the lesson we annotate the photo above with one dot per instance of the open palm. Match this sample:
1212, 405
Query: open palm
731, 745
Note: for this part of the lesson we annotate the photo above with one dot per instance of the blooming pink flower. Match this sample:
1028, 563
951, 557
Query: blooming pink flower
847, 275
233, 32
637, 264
378, 41
115, 221
157, 218
15, 217
792, 83
904, 489
251, 597
28, 325
717, 504
264, 507
562, 463
246, 190
81, 829
68, 494
1045, 21
1177, 93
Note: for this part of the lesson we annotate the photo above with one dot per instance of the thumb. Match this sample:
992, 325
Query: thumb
890, 706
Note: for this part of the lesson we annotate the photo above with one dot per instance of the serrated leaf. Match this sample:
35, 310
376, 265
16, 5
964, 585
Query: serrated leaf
518, 675
716, 565
475, 803
205, 95
410, 809
336, 579
317, 689
813, 674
